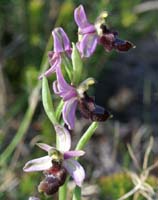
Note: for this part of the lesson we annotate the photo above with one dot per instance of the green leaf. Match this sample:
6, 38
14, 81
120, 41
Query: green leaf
77, 193
77, 65
47, 101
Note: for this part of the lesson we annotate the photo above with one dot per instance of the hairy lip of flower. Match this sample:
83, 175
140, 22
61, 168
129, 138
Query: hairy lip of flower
91, 110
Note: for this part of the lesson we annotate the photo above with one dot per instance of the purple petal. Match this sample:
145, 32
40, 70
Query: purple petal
64, 139
33, 198
38, 164
55, 88
71, 154
63, 85
45, 147
88, 30
61, 40
55, 62
69, 110
75, 170
53, 57
80, 17
88, 45
62, 88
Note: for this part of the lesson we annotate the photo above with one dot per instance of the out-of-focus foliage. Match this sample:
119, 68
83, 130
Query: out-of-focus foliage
26, 26
116, 185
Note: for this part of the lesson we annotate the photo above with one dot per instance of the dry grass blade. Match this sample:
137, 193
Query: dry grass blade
153, 166
135, 161
146, 6
141, 186
130, 193
147, 153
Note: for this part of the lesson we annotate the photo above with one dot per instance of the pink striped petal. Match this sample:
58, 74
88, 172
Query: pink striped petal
61, 40
44, 146
64, 139
55, 62
71, 154
75, 170
88, 45
33, 198
62, 88
68, 112
80, 17
38, 164
55, 88
66, 90
88, 30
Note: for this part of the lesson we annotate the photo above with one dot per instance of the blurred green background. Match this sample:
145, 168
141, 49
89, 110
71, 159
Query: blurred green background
126, 85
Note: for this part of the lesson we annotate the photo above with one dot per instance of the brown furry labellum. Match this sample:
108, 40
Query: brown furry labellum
54, 178
109, 39
92, 111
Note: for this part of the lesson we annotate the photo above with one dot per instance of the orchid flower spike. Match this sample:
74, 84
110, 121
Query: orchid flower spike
74, 97
58, 161
92, 34
61, 45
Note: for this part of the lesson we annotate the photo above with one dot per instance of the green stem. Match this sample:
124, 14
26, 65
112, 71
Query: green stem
81, 144
77, 193
63, 190
86, 136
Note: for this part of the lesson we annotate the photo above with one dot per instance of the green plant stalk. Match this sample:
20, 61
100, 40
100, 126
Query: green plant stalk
63, 190
77, 193
81, 144
86, 136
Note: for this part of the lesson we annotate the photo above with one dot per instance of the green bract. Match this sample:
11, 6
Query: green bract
47, 101
77, 65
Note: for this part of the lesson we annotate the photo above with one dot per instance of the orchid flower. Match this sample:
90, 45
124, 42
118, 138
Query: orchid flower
62, 155
74, 97
70, 97
92, 34
61, 45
